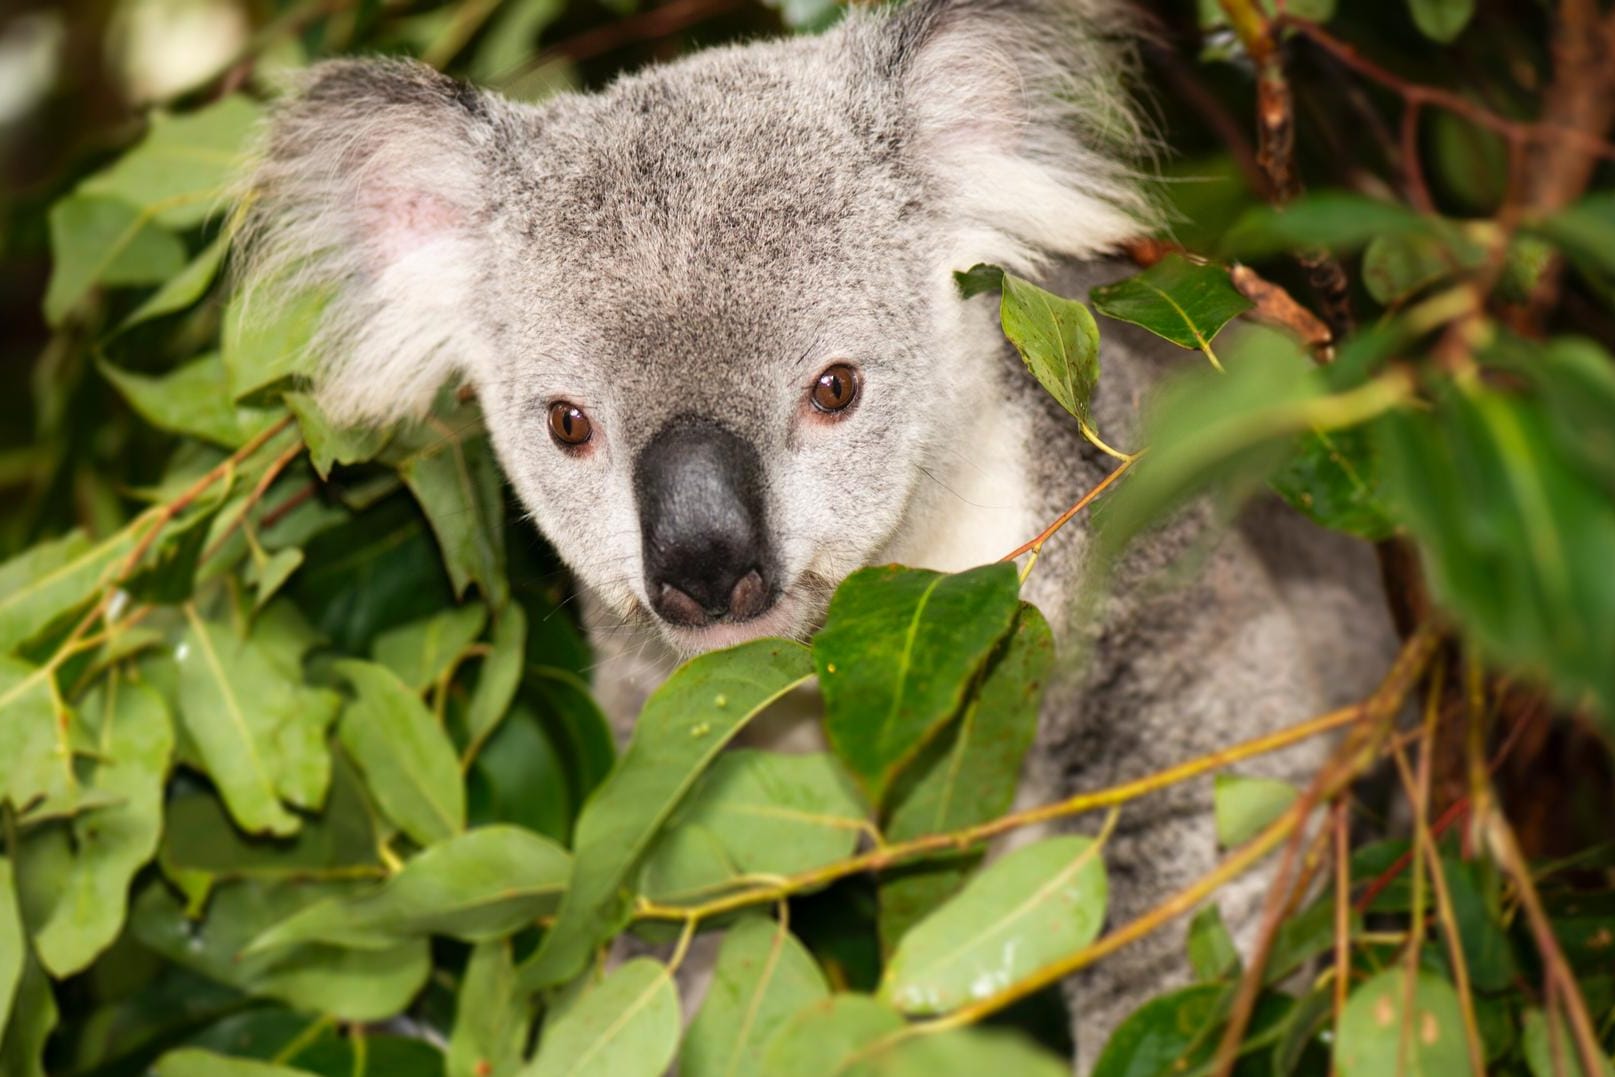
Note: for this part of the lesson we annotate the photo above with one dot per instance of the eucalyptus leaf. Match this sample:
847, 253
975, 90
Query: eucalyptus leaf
110, 843
104, 241
1336, 478
683, 727
329, 443
896, 657
1585, 229
970, 775
491, 1016
1379, 1032
1036, 905
13, 944
1441, 20
628, 1026
33, 1017
184, 288
1333, 219
460, 490
407, 759
1185, 302
823, 1037
500, 677
763, 977
180, 171
193, 400
43, 583
1245, 806
478, 886
196, 1062
761, 813
422, 651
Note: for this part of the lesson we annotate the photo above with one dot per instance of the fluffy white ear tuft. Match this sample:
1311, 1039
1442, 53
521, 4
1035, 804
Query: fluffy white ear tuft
370, 184
1022, 115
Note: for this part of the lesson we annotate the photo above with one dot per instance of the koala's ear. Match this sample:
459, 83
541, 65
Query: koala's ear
370, 183
1019, 111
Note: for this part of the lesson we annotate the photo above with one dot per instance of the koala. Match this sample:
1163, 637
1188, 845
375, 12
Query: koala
710, 317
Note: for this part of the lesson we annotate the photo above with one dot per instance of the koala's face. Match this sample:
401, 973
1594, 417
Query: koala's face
717, 374
709, 312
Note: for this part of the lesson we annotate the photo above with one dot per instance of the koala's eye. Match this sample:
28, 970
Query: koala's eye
836, 389
569, 426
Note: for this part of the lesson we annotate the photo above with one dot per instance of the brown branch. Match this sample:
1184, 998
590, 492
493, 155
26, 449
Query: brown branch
1036, 544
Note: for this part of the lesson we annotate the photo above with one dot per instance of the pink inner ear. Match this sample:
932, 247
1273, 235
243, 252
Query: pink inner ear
399, 222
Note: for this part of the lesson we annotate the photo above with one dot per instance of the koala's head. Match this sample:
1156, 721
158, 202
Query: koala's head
708, 312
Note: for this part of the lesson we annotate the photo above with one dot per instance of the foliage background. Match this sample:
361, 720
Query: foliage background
1458, 269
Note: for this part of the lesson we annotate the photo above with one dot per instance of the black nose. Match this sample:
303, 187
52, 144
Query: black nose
700, 494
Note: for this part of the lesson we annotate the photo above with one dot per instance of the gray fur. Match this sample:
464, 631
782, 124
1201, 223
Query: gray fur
705, 237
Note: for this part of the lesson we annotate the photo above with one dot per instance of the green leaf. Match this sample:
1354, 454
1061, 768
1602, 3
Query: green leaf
1336, 478
406, 757
1245, 806
970, 776
1478, 913
104, 241
628, 1026
762, 978
193, 400
180, 171
1036, 905
33, 743
270, 572
1369, 1039
263, 346
491, 1016
510, 40
329, 444
1058, 341
500, 677
459, 488
13, 946
1515, 533
1333, 219
33, 1016
822, 1038
1211, 948
754, 813
184, 288
1550, 1051
897, 652
683, 727
108, 844
1176, 299
960, 1052
1178, 1033
201, 847
195, 1062
476, 887
520, 777
1396, 266
43, 583
1441, 20
1585, 229
349, 985
260, 734
422, 651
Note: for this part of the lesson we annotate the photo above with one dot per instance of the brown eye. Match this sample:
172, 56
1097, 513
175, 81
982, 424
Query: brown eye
836, 389
568, 425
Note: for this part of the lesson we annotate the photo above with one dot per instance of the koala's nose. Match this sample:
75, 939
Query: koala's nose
699, 488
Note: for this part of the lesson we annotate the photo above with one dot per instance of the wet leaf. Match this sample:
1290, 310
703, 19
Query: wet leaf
896, 655
1369, 1038
628, 1026
1177, 300
762, 978
1036, 905
478, 886
683, 727
407, 760
1245, 806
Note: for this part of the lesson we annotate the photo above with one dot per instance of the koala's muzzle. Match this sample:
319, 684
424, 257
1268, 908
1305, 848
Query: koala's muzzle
699, 488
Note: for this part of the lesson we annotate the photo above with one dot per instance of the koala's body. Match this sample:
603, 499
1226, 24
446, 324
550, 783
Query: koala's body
710, 316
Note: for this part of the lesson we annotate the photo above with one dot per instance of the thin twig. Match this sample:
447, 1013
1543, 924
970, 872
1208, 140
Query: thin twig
1036, 544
